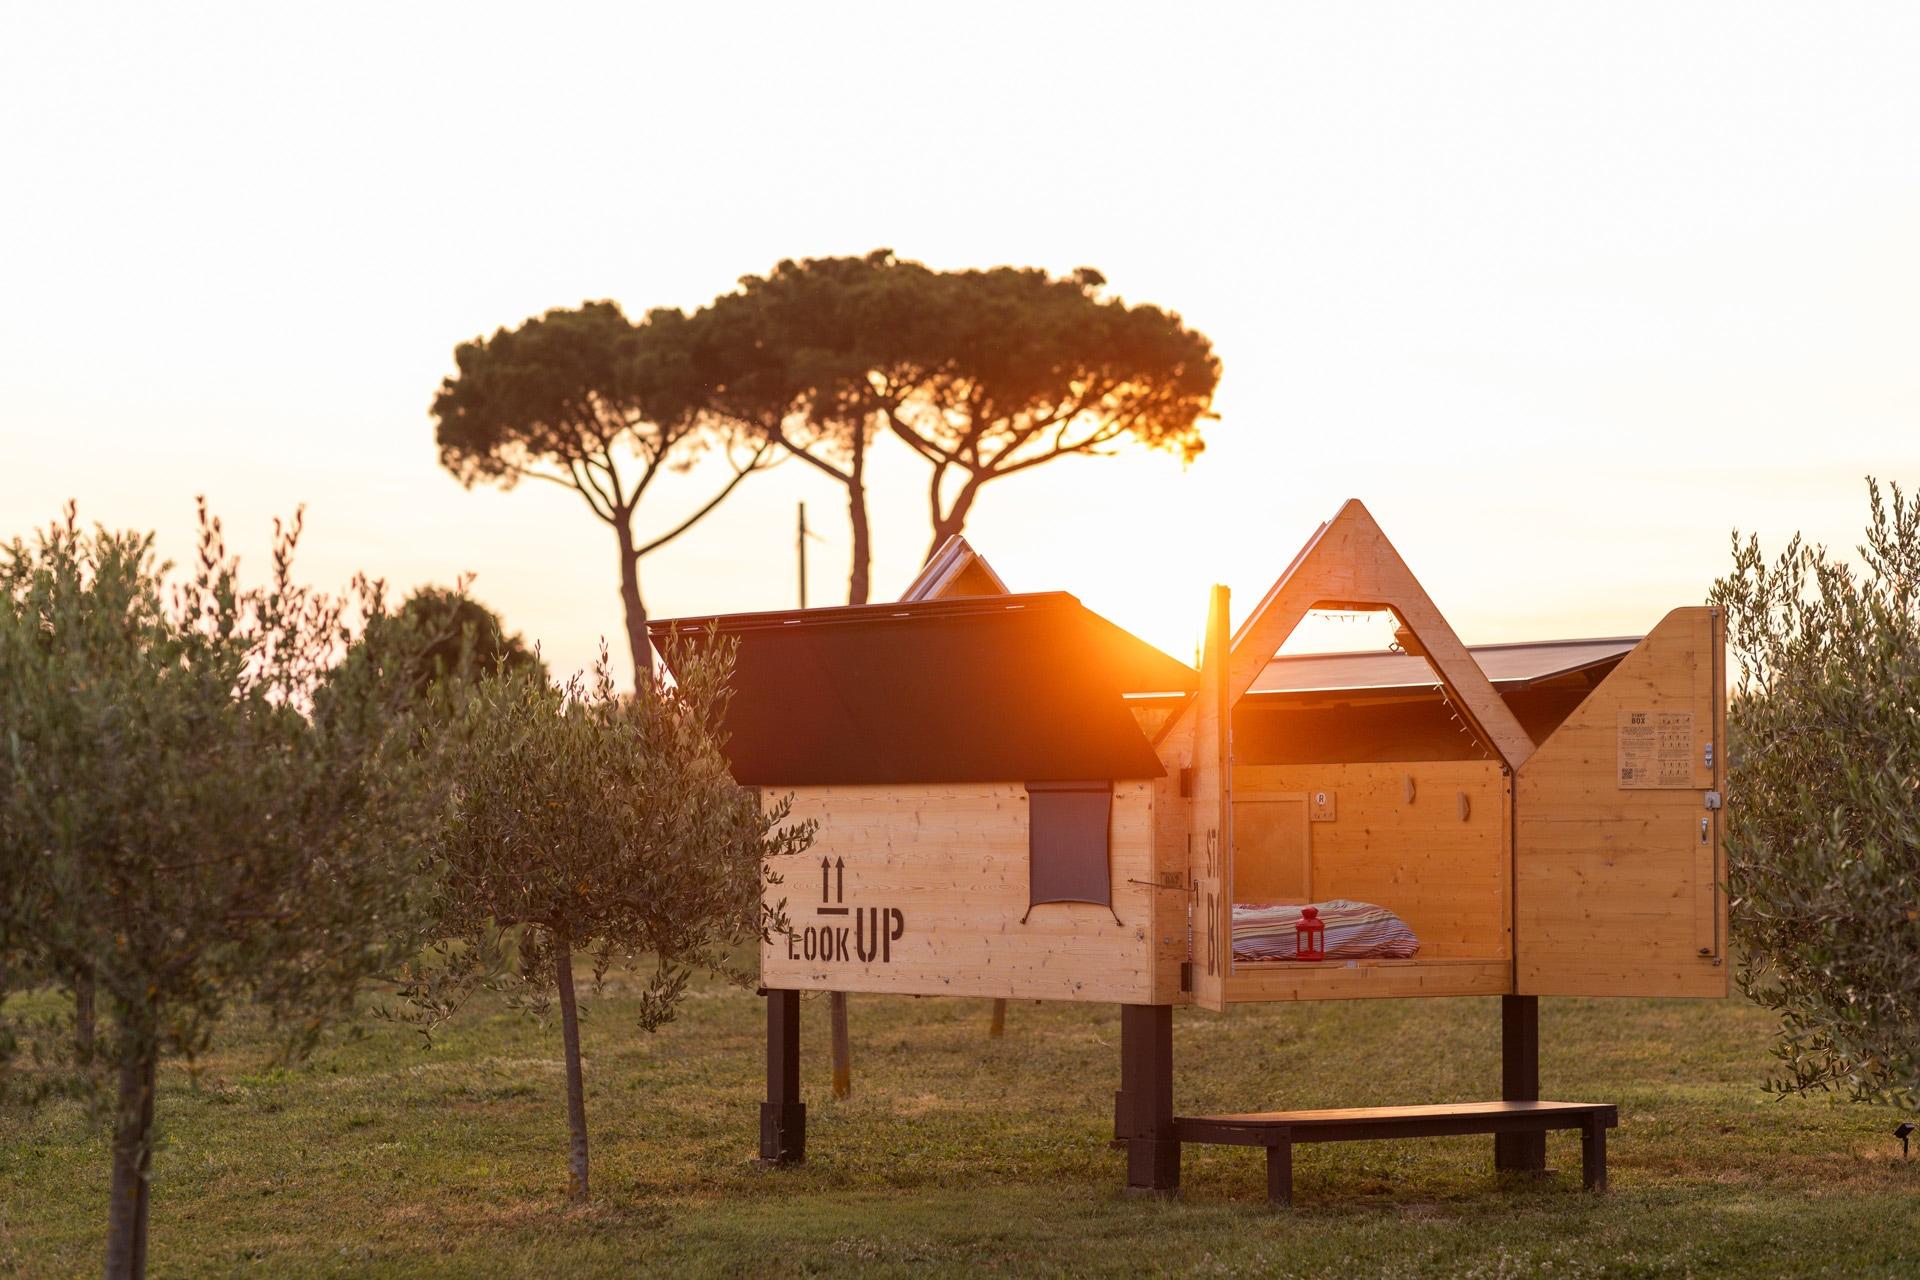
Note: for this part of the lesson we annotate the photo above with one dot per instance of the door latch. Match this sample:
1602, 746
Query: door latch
1709, 755
1713, 799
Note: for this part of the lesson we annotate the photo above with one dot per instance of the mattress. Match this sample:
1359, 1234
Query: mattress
1355, 931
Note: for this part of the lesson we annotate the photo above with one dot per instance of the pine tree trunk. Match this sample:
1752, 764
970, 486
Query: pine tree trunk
859, 585
842, 1048
576, 1093
633, 607
132, 1159
955, 519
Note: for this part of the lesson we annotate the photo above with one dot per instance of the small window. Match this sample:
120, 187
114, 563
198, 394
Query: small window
1067, 843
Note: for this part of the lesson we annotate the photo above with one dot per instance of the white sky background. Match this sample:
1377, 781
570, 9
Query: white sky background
1563, 293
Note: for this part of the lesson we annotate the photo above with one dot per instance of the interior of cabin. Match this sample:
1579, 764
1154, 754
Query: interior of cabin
1357, 781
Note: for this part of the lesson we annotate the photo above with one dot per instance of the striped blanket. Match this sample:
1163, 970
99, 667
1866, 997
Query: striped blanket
1355, 931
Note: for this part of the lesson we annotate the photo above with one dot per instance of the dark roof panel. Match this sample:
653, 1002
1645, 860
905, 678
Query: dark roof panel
1002, 688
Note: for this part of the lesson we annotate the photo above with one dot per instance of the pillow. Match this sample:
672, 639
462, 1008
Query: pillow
1355, 931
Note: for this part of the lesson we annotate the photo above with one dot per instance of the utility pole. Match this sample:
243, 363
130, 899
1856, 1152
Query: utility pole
842, 1050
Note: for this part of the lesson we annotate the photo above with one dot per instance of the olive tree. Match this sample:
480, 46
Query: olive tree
200, 804
586, 822
1823, 839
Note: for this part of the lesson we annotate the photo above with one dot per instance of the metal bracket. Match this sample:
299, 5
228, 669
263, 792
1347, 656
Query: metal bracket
1713, 800
1709, 755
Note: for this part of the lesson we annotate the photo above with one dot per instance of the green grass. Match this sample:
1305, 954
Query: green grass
959, 1154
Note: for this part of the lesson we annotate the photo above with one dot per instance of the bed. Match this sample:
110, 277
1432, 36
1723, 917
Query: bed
1355, 931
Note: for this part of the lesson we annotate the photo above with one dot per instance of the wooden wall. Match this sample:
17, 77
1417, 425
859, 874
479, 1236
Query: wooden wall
1618, 878
1447, 876
944, 866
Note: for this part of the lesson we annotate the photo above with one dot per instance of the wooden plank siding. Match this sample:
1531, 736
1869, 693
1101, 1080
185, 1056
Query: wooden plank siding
1616, 885
951, 859
1445, 876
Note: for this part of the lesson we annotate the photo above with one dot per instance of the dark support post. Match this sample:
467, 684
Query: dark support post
1520, 1082
783, 1117
1145, 1104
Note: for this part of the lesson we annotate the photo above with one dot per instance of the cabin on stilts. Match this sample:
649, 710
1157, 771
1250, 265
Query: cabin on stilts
1018, 799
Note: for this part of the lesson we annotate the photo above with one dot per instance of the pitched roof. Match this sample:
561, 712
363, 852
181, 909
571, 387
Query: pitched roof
955, 569
973, 689
1508, 666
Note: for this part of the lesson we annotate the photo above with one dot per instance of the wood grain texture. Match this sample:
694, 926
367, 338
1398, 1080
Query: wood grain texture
1172, 892
1448, 879
1211, 853
1368, 979
951, 860
1616, 888
1272, 856
1349, 563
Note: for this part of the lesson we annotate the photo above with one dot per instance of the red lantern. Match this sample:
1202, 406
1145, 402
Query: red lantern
1310, 936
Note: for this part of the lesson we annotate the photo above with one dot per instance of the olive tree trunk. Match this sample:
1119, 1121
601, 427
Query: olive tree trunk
576, 1093
132, 1162
83, 1018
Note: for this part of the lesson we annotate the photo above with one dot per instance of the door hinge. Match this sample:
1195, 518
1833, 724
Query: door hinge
1713, 799
1709, 755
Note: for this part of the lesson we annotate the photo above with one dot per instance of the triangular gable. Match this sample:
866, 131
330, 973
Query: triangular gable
1349, 564
956, 569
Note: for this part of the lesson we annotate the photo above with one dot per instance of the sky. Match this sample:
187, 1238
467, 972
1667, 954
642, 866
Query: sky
1565, 294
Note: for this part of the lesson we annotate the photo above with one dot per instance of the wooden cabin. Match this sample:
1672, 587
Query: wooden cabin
1018, 799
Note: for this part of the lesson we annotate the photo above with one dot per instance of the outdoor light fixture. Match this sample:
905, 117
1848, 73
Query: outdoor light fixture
1903, 1131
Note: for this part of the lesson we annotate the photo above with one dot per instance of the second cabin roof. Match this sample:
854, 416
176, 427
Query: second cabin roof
1508, 666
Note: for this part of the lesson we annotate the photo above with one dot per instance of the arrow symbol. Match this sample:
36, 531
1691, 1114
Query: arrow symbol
825, 867
840, 879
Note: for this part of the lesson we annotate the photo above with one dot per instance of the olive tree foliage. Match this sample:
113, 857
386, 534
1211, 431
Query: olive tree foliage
586, 822
451, 635
201, 804
583, 398
1823, 839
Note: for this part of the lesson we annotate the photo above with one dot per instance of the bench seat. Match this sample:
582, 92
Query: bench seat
1277, 1131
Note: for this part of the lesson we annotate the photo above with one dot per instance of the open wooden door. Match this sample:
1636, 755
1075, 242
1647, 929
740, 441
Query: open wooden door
1617, 866
1210, 852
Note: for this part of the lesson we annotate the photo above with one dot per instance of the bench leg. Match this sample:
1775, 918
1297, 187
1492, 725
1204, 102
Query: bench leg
1280, 1174
1593, 1156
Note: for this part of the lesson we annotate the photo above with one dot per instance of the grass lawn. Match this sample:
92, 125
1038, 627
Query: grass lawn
958, 1153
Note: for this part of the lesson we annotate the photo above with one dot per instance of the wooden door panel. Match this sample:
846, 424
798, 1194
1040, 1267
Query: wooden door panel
1272, 857
1617, 867
1211, 852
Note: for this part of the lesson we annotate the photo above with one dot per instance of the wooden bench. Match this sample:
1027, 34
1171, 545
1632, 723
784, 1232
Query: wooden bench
1277, 1131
